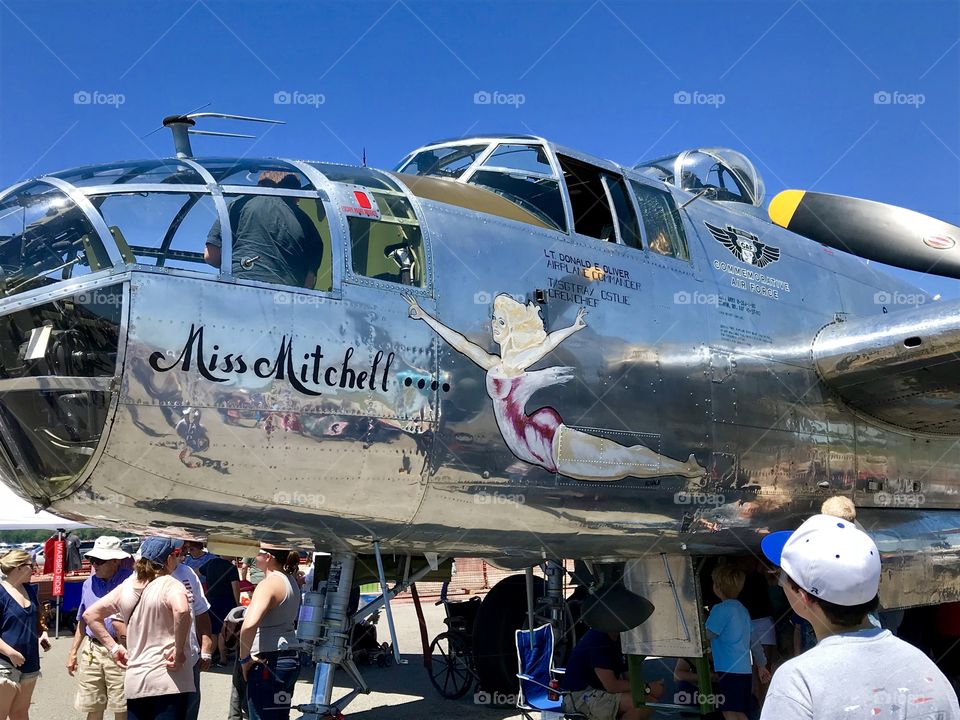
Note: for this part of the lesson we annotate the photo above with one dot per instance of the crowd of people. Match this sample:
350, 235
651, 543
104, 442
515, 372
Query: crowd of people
841, 660
148, 625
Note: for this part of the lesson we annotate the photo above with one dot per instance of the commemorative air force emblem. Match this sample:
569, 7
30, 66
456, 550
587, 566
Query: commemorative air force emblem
745, 246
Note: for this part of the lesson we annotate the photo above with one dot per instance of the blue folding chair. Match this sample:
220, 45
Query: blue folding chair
535, 661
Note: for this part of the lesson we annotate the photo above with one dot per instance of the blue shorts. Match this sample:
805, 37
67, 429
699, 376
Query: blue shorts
735, 689
270, 685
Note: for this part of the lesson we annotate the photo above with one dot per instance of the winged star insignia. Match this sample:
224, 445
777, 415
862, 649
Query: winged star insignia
745, 246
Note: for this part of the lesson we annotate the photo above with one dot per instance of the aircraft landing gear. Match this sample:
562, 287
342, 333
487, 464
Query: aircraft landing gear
325, 627
329, 635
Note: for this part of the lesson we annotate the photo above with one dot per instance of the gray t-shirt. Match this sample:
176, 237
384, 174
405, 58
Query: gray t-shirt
282, 237
864, 674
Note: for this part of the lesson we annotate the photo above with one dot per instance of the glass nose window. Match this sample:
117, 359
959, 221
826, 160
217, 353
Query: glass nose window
166, 172
44, 238
256, 172
165, 229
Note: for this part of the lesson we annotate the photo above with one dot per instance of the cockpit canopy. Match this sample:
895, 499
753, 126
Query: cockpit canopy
724, 174
518, 168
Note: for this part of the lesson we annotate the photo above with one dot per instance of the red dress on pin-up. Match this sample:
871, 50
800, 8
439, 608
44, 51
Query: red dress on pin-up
529, 437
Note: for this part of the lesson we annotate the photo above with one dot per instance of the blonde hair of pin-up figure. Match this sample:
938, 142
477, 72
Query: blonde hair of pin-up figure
517, 326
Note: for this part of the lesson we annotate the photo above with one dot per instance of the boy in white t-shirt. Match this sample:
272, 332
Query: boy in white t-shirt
831, 576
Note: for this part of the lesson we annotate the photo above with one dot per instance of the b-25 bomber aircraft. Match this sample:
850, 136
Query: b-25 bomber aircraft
505, 349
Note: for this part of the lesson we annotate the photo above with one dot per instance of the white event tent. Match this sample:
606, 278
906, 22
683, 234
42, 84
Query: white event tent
17, 514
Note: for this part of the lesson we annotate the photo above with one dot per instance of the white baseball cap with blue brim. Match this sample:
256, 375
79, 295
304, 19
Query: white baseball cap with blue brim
829, 558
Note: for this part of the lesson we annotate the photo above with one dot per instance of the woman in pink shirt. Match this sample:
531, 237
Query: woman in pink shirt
158, 682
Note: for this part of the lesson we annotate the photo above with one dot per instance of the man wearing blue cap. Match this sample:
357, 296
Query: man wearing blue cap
830, 572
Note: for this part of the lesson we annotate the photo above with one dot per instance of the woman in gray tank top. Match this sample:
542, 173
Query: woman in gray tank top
269, 650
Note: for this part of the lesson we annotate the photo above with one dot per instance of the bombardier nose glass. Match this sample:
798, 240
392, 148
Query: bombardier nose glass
55, 373
58, 363
44, 238
163, 172
163, 229
251, 171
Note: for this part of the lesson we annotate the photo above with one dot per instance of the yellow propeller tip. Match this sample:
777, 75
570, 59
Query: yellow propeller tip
784, 205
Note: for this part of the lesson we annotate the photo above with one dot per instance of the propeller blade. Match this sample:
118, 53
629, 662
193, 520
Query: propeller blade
871, 230
615, 609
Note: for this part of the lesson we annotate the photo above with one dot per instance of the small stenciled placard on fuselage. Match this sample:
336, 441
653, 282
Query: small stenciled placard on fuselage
358, 201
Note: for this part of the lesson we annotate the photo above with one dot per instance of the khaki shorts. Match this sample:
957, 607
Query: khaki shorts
101, 680
595, 704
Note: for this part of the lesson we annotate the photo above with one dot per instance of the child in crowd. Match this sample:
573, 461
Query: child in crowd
728, 628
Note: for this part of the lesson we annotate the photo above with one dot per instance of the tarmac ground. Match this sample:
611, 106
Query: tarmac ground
398, 692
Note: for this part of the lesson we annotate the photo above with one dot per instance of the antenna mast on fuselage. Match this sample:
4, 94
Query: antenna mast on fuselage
182, 128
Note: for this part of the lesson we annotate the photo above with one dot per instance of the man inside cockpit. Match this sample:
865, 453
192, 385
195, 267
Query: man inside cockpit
274, 240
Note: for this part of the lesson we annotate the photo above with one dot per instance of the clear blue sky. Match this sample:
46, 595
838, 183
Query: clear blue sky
798, 82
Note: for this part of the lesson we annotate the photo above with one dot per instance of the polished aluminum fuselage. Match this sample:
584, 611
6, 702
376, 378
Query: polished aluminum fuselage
350, 422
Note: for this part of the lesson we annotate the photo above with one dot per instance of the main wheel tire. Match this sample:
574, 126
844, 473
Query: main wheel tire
450, 665
502, 612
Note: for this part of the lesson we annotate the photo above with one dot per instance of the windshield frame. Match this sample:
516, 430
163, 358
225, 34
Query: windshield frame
493, 143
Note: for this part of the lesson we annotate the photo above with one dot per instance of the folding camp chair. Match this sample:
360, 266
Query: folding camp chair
535, 661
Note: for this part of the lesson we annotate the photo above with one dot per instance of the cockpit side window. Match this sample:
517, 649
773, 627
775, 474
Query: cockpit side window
537, 195
592, 205
44, 238
526, 158
390, 248
627, 227
661, 221
522, 174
